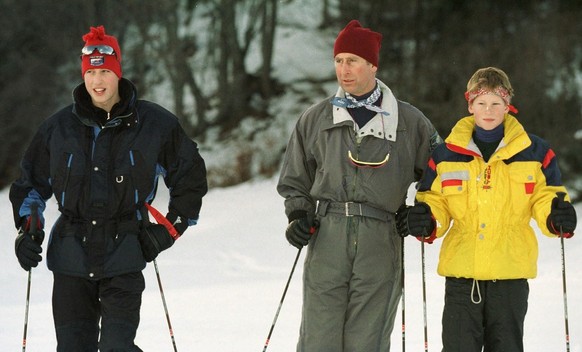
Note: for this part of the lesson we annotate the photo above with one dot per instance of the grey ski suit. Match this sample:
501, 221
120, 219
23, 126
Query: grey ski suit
351, 278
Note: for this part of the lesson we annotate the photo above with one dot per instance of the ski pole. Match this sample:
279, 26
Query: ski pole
561, 195
160, 219
403, 300
32, 231
282, 299
565, 292
26, 311
424, 296
165, 306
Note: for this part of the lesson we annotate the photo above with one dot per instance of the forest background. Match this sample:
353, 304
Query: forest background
238, 73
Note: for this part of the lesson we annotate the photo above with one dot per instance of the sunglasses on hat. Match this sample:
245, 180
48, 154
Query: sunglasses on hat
102, 49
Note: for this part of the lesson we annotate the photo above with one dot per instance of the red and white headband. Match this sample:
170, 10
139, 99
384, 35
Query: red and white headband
499, 91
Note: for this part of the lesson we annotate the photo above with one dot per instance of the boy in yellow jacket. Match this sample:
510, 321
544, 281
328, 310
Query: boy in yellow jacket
481, 189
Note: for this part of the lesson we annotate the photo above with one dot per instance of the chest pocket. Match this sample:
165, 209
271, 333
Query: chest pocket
522, 179
67, 178
132, 180
455, 189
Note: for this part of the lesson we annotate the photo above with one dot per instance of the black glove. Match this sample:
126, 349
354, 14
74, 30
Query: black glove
179, 223
154, 238
28, 245
415, 220
300, 230
562, 215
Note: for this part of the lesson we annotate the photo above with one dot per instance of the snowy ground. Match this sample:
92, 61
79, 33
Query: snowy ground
223, 282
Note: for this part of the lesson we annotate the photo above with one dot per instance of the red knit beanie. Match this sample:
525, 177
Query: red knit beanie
96, 59
357, 40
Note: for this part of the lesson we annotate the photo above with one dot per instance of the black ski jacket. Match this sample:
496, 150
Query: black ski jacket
102, 168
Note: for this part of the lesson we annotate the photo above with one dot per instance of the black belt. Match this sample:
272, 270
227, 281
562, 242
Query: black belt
353, 209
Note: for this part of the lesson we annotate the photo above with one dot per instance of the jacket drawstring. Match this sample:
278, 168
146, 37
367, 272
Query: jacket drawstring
475, 284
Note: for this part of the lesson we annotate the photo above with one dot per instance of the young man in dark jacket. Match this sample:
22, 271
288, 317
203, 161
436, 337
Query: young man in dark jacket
101, 157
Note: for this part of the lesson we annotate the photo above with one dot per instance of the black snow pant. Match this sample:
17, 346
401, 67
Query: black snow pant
80, 304
484, 316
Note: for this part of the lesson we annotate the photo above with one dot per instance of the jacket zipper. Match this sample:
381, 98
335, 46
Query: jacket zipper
67, 176
354, 185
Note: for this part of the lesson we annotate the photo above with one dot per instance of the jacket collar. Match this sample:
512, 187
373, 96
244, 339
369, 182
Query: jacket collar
385, 123
515, 139
122, 113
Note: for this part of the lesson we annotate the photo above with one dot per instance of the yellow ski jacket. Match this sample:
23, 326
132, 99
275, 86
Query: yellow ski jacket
483, 209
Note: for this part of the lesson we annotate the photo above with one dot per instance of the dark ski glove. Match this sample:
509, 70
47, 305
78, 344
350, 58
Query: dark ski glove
300, 230
179, 223
415, 220
562, 215
28, 243
154, 239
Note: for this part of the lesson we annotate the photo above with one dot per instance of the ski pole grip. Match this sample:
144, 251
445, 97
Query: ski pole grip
313, 228
33, 226
561, 198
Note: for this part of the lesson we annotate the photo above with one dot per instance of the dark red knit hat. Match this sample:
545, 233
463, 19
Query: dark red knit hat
358, 40
98, 60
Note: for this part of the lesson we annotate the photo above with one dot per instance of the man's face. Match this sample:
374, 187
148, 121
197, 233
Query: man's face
354, 74
103, 87
489, 111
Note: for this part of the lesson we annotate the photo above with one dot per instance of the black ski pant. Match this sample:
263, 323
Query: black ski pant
484, 315
80, 304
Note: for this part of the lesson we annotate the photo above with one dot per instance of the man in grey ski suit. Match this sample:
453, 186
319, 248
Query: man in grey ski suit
346, 171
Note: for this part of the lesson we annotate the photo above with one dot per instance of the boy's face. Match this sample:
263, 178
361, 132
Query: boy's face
354, 74
103, 87
489, 111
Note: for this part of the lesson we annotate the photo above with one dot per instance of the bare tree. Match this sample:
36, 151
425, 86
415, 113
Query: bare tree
201, 49
32, 52
268, 27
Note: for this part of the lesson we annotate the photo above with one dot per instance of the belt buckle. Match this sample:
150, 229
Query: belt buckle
347, 208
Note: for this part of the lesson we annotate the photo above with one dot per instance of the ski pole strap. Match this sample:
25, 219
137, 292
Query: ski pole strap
161, 219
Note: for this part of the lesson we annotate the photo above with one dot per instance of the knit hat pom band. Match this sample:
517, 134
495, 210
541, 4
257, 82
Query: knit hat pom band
97, 54
360, 41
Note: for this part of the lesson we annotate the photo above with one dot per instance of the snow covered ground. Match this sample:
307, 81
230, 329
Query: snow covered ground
223, 282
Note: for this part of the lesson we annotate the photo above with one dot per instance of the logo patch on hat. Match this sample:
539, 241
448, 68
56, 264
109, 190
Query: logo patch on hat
97, 60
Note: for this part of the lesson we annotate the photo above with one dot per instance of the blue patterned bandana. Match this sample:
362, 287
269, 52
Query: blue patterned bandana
349, 102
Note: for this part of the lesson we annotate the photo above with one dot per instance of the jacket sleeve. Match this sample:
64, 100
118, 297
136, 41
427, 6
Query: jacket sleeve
427, 136
185, 175
298, 170
33, 184
431, 140
548, 184
430, 192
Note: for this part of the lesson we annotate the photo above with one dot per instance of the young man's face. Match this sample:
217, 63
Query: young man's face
103, 87
354, 74
489, 111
